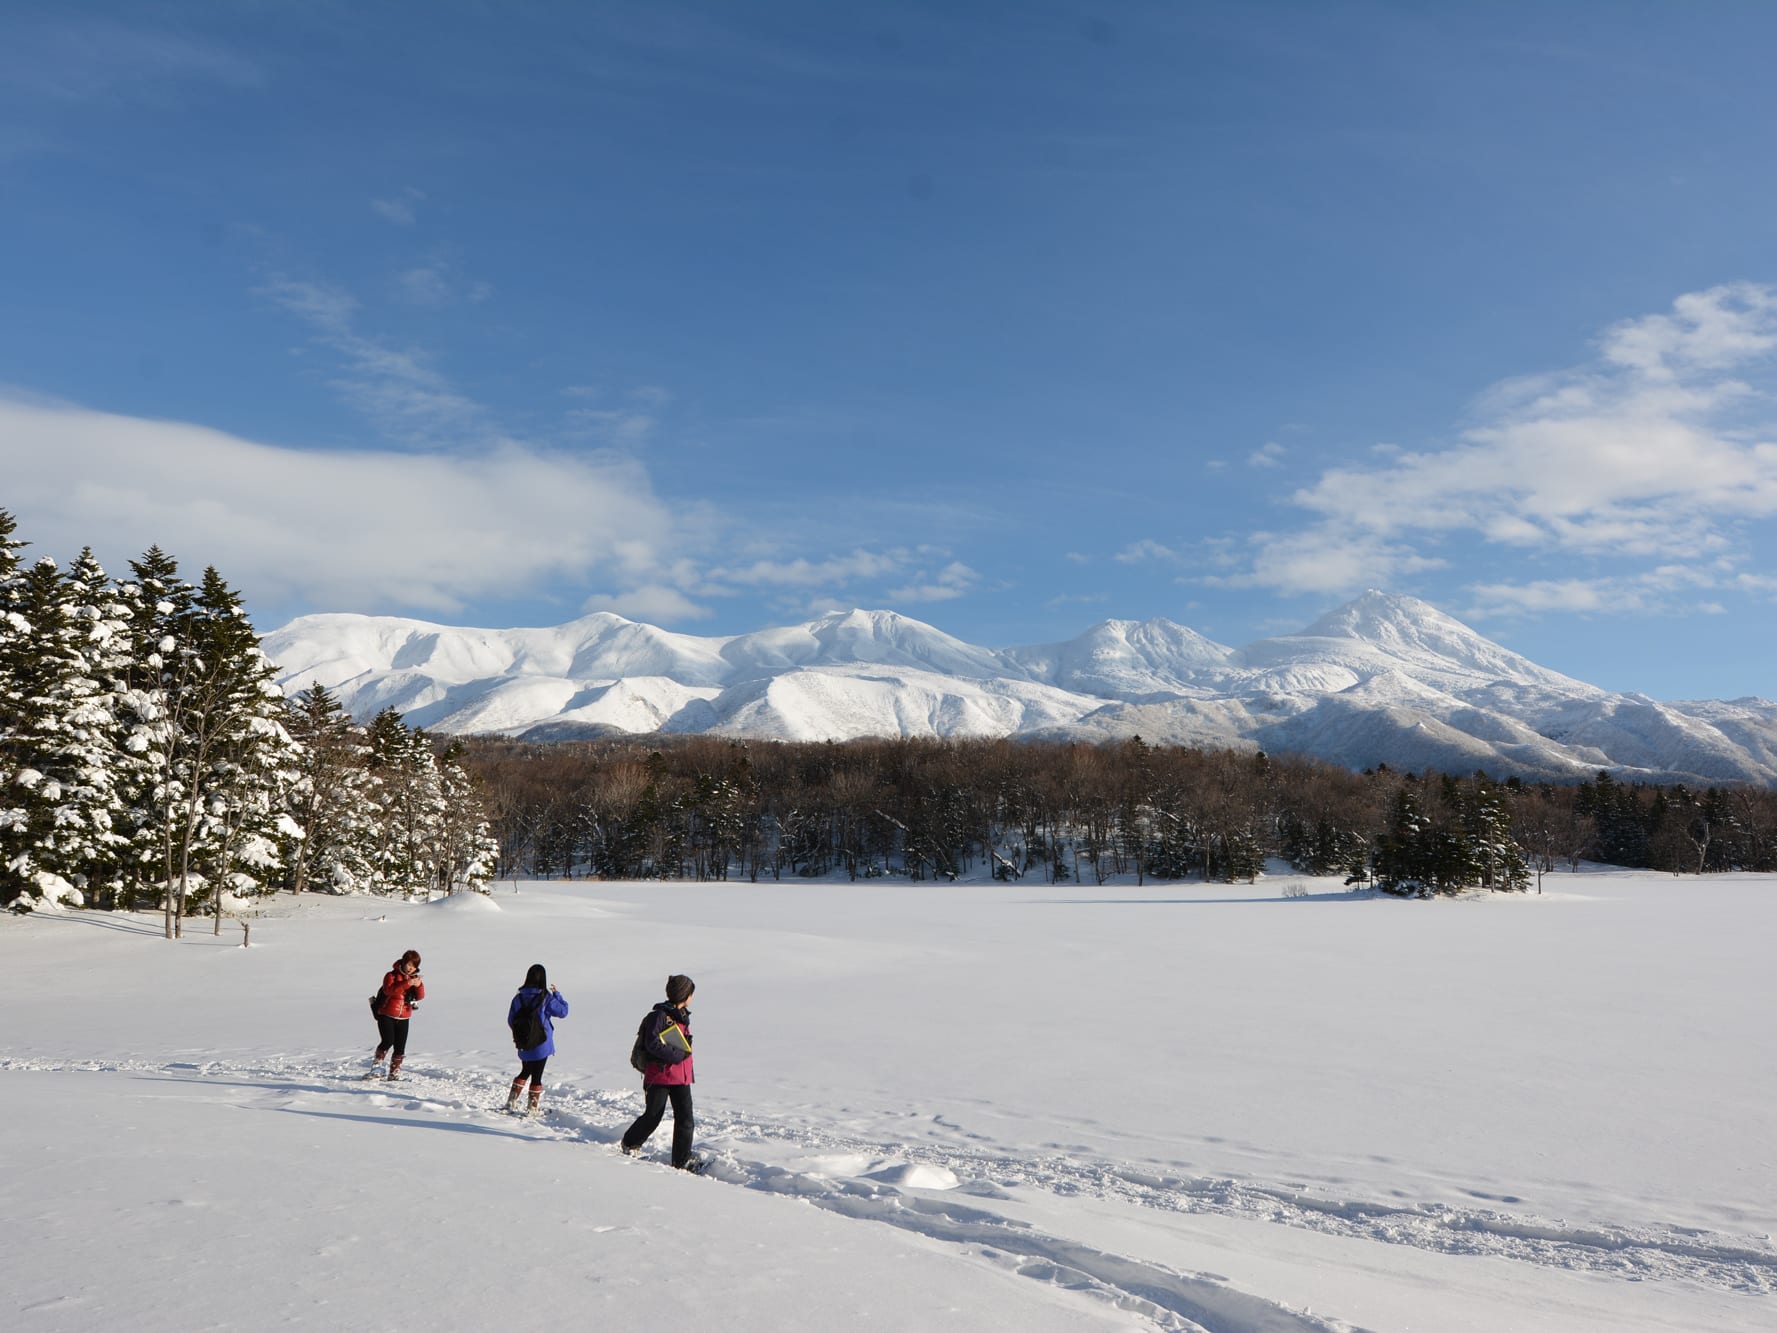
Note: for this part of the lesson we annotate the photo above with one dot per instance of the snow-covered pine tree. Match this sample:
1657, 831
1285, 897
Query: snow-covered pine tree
468, 850
412, 802
337, 823
162, 663
101, 637
238, 760
15, 633
66, 845
35, 666
1497, 861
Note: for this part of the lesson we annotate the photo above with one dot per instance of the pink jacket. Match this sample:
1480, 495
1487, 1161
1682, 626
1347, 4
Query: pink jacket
674, 1034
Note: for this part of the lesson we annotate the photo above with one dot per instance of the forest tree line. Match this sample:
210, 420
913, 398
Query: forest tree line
714, 808
148, 758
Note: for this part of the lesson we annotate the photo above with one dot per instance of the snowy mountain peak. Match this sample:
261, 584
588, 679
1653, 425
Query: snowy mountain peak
1383, 679
1391, 629
1385, 617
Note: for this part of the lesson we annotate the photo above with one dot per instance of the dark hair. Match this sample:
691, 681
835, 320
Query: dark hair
411, 956
679, 987
536, 977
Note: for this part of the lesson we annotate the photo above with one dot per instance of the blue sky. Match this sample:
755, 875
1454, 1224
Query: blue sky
1008, 316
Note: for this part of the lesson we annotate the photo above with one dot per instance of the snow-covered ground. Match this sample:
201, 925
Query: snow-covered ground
927, 1107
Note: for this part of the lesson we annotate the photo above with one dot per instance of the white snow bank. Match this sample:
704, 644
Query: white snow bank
916, 1176
468, 901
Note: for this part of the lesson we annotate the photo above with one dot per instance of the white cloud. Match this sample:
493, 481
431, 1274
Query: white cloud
1653, 451
1267, 455
1074, 599
1145, 549
402, 209
860, 564
1663, 590
954, 580
654, 603
369, 530
618, 427
425, 286
1323, 560
90, 59
397, 389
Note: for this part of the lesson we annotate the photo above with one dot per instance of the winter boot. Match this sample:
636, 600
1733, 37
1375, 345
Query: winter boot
513, 1096
536, 1096
395, 1067
376, 1065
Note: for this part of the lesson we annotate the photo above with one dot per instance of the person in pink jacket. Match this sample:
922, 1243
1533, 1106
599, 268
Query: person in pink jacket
402, 988
665, 1037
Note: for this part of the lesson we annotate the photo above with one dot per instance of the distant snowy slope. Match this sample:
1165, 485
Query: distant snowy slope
1128, 659
1381, 633
1382, 679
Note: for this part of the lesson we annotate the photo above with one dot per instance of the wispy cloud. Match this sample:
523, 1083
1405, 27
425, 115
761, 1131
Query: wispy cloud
619, 427
1653, 451
402, 209
439, 282
348, 530
1267, 455
92, 59
803, 573
1145, 550
954, 580
425, 286
396, 388
654, 603
1672, 589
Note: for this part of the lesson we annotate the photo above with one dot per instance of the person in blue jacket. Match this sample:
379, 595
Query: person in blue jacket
547, 1002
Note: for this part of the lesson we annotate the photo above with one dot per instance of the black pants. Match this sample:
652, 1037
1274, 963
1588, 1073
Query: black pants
394, 1036
533, 1070
649, 1120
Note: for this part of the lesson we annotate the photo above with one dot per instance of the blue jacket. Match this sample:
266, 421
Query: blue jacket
554, 1007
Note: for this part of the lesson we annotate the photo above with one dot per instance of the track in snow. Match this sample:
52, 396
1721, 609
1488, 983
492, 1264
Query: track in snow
959, 1209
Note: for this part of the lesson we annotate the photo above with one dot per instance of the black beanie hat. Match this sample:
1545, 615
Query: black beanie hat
679, 987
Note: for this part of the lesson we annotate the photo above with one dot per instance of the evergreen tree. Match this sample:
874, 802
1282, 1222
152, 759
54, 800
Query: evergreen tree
239, 758
162, 664
62, 842
411, 799
101, 624
15, 639
331, 802
467, 849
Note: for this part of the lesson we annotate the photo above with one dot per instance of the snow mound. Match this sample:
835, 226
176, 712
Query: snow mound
468, 901
916, 1176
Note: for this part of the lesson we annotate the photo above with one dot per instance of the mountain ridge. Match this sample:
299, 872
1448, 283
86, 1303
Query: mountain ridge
1385, 678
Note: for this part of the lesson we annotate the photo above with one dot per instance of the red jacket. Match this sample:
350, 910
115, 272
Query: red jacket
394, 1003
668, 1048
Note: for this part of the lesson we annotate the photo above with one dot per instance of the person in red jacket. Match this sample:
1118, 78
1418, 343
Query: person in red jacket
402, 988
667, 1075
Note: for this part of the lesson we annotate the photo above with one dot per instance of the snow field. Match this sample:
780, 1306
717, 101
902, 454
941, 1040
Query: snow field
1178, 1108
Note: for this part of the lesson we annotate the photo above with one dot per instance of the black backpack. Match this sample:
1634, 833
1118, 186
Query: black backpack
638, 1054
528, 1031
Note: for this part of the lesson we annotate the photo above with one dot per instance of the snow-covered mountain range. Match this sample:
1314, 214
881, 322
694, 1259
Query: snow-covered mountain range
1383, 679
